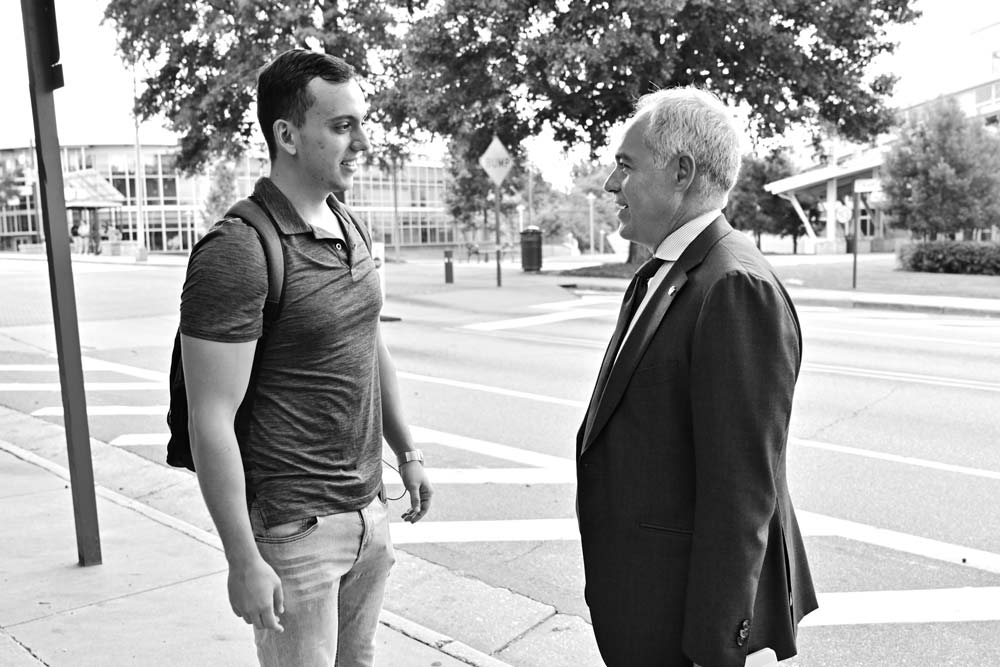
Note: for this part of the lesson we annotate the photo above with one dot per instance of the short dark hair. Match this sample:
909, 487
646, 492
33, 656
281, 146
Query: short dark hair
282, 87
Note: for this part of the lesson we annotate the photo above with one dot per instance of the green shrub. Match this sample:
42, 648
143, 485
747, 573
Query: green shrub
974, 257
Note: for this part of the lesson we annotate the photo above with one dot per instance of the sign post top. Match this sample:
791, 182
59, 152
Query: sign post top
496, 161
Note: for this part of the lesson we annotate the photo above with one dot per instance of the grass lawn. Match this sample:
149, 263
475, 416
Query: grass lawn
875, 274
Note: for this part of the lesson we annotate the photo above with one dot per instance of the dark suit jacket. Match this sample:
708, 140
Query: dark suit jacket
691, 547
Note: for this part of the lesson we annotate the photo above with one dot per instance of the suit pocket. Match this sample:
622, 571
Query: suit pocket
666, 530
654, 374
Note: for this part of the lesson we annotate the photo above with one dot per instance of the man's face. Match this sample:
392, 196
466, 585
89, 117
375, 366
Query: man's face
646, 194
332, 134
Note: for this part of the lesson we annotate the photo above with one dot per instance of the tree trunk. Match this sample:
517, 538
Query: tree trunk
795, 244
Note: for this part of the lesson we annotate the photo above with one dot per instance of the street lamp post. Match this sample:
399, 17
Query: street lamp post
520, 217
590, 200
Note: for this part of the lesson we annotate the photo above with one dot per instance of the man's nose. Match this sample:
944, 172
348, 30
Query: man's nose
611, 183
361, 143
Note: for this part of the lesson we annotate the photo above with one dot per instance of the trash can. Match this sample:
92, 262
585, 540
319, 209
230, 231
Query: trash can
531, 249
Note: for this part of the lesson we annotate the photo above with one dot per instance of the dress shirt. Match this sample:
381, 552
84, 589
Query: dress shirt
670, 250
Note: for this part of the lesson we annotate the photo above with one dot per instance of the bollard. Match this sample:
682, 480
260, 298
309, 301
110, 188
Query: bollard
449, 276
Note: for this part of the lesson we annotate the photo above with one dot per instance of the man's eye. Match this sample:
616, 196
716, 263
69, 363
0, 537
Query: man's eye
342, 127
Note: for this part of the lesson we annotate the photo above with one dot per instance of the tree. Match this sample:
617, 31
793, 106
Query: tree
943, 174
221, 194
753, 208
9, 188
560, 213
578, 66
471, 67
204, 56
744, 209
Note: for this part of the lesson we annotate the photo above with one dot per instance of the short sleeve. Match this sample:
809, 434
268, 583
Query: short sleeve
226, 286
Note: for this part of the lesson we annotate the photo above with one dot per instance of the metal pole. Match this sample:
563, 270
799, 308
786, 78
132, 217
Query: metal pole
857, 228
140, 184
590, 200
499, 281
44, 76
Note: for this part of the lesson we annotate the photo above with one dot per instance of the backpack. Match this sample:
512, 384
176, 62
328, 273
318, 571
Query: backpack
254, 214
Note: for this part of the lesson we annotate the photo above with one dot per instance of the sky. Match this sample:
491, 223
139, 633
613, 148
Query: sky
946, 50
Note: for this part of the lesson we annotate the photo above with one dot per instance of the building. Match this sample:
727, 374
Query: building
403, 210
834, 183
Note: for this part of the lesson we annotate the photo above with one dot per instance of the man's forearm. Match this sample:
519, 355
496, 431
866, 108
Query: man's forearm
394, 427
220, 476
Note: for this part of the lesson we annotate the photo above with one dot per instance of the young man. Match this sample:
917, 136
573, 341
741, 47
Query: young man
691, 549
296, 495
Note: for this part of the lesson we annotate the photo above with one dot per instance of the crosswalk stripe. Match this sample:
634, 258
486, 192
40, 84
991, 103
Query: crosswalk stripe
107, 411
940, 605
88, 386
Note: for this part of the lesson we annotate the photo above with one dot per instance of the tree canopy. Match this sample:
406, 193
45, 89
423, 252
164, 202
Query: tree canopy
943, 174
472, 68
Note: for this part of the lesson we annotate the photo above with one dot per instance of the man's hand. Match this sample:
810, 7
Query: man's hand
255, 594
419, 487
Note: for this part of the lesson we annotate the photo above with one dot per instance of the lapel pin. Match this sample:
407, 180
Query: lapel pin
673, 288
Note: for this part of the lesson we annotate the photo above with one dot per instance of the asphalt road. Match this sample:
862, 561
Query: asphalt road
894, 466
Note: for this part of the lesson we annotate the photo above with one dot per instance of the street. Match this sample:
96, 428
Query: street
893, 463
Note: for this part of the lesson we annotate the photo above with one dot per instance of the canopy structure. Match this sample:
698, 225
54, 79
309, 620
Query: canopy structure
829, 180
88, 189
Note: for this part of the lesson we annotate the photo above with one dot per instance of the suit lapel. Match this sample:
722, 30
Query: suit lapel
646, 326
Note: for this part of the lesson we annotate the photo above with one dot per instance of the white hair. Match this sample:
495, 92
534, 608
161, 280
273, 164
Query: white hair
693, 121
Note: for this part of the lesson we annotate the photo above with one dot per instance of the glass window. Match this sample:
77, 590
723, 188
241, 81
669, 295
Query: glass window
169, 190
152, 191
984, 94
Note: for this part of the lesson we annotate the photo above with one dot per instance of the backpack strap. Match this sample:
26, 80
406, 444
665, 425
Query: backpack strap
254, 214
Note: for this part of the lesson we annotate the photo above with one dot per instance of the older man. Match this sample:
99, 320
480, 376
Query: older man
691, 547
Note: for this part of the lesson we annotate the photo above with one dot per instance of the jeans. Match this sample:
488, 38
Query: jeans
333, 571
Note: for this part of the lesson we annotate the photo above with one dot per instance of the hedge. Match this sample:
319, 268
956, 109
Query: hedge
973, 257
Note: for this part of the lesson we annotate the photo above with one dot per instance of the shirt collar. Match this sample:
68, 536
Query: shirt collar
672, 247
284, 214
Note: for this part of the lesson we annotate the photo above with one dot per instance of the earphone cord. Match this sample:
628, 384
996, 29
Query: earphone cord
397, 472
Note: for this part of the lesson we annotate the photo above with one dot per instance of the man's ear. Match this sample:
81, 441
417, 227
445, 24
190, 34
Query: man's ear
686, 172
285, 136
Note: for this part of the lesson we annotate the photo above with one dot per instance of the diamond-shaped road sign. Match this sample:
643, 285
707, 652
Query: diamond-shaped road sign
496, 161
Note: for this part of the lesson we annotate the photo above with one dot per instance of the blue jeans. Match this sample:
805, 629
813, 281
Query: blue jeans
333, 571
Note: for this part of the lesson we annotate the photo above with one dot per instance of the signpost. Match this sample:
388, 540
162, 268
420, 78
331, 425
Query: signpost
44, 77
496, 161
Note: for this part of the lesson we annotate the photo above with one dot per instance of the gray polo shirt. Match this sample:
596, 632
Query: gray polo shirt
314, 442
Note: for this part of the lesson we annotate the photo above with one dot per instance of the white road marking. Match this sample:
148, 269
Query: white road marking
901, 377
107, 411
88, 386
819, 525
139, 439
29, 368
896, 458
493, 449
535, 320
942, 605
517, 476
490, 389
861, 335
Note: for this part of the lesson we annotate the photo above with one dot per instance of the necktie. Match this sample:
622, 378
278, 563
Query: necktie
633, 297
